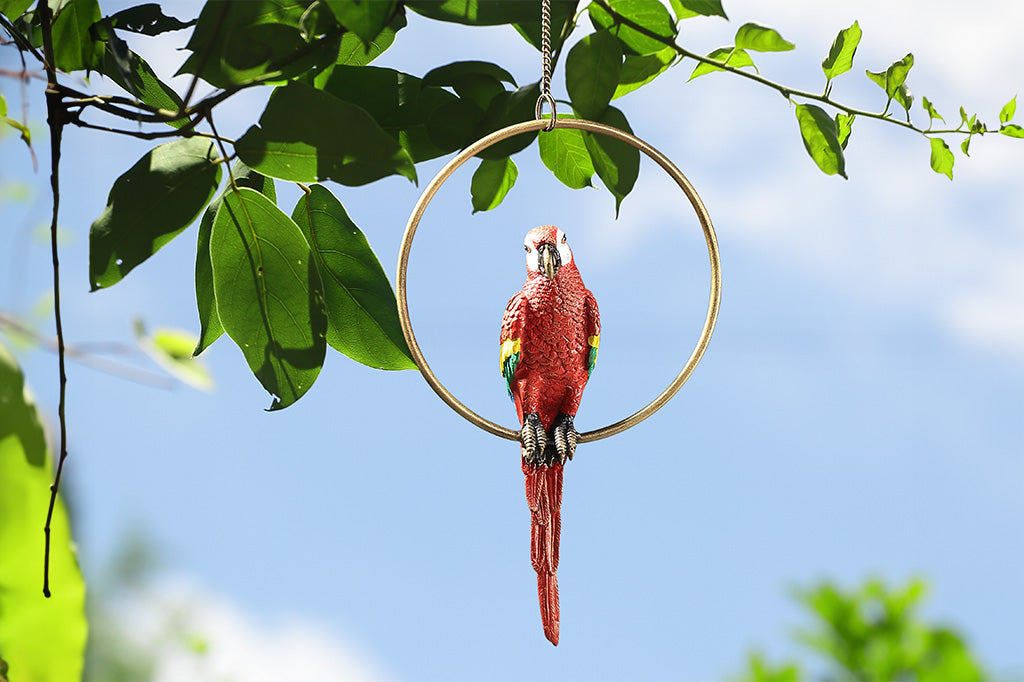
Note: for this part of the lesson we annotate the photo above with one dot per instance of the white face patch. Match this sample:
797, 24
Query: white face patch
532, 257
563, 248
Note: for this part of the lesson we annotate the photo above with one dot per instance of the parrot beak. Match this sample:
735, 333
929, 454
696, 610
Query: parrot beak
550, 261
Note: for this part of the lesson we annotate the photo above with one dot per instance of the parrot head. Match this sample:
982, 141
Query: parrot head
546, 250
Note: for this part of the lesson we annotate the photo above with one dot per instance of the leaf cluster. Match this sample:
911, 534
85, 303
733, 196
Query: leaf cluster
287, 282
873, 632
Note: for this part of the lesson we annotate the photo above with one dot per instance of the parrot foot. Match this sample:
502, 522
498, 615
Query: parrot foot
565, 436
533, 438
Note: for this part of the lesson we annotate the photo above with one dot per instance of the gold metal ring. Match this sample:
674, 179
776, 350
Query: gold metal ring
591, 127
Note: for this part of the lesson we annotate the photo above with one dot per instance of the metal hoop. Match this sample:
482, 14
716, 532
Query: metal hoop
600, 129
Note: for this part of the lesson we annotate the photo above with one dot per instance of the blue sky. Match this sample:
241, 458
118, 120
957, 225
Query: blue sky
857, 414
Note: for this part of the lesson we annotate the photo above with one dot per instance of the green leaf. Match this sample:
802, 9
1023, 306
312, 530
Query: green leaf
74, 47
269, 294
209, 321
942, 157
172, 350
354, 52
151, 204
932, 113
592, 72
1012, 130
821, 139
751, 36
480, 82
1008, 111
477, 12
564, 152
844, 126
400, 104
492, 180
840, 56
892, 80
616, 163
147, 19
731, 56
136, 77
362, 314
12, 9
235, 43
649, 14
639, 70
451, 74
306, 134
42, 640
365, 18
504, 110
965, 146
685, 9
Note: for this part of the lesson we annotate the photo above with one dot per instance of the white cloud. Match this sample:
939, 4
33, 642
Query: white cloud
170, 618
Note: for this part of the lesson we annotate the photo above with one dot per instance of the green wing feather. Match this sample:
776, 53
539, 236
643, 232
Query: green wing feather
509, 361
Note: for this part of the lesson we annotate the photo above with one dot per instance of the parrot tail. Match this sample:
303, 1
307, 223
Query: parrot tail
544, 497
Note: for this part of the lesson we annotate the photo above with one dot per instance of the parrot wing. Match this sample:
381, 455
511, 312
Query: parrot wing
511, 333
593, 329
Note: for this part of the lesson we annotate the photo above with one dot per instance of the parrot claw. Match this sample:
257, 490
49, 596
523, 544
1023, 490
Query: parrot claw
566, 437
533, 438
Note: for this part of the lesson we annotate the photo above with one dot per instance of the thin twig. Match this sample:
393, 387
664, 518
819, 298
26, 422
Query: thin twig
55, 119
88, 354
180, 132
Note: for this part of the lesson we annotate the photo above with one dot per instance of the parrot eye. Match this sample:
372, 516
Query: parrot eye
563, 238
527, 248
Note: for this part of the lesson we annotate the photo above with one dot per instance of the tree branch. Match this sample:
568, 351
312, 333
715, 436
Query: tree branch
785, 91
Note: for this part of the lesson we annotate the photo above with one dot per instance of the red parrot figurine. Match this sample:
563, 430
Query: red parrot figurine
549, 339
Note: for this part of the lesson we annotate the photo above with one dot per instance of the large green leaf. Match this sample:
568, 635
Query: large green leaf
639, 70
477, 12
492, 180
134, 75
74, 47
651, 15
237, 42
821, 139
210, 328
306, 134
41, 639
12, 9
365, 18
354, 52
685, 9
1012, 130
269, 295
751, 36
840, 56
941, 157
362, 314
616, 163
400, 104
592, 72
452, 74
151, 204
564, 152
730, 56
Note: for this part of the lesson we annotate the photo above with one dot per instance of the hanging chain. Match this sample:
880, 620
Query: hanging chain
545, 81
